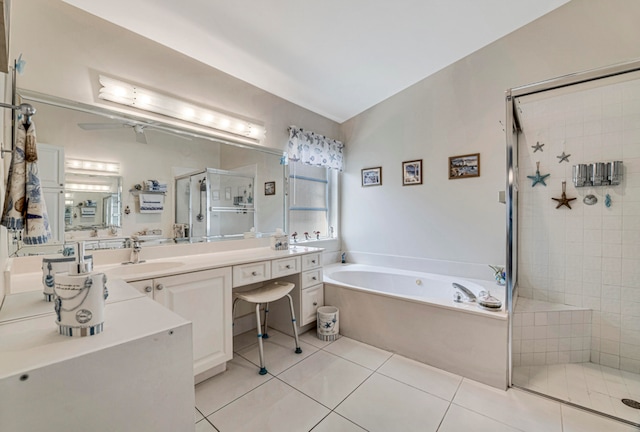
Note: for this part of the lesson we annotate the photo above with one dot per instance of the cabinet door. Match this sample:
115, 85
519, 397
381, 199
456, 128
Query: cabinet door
54, 200
51, 166
204, 298
311, 299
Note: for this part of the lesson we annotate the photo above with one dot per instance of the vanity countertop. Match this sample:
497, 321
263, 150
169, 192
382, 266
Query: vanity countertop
31, 303
170, 265
32, 343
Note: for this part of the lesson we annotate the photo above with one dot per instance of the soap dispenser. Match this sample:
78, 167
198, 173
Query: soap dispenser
80, 298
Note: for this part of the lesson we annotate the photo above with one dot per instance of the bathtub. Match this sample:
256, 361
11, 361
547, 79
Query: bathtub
413, 314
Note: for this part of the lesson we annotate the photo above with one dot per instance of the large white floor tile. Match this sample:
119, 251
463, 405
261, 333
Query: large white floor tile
383, 404
325, 377
575, 420
427, 378
279, 352
311, 338
272, 407
240, 377
515, 408
244, 340
357, 352
204, 426
335, 423
460, 419
199, 416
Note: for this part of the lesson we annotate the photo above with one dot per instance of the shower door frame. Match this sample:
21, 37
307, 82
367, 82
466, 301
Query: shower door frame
512, 129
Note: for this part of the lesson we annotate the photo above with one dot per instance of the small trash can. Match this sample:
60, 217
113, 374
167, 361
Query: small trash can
328, 323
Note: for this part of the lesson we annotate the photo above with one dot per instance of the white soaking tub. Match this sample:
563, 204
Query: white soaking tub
413, 314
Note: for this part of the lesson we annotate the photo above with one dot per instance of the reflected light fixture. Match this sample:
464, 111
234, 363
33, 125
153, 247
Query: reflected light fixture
95, 166
128, 94
84, 187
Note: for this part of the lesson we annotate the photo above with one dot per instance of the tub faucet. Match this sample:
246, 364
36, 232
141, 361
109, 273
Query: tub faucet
470, 296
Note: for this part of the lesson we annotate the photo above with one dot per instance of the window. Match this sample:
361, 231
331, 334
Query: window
313, 201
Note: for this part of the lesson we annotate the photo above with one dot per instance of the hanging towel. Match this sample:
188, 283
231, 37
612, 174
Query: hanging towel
24, 206
151, 203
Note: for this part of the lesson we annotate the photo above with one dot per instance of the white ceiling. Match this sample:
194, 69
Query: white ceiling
334, 57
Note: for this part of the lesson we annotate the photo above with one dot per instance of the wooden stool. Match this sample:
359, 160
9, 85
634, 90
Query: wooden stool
265, 295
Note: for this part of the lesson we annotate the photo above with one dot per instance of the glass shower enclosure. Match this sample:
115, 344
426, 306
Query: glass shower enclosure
214, 204
573, 230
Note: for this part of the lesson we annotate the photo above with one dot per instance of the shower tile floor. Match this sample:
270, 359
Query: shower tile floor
350, 386
587, 384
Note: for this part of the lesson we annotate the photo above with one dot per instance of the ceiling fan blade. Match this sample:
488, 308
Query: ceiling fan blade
141, 137
184, 137
100, 126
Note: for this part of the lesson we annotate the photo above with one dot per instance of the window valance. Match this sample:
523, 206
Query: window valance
314, 149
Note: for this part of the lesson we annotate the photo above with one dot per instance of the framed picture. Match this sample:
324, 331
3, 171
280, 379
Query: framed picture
464, 166
227, 193
412, 172
270, 188
215, 195
372, 176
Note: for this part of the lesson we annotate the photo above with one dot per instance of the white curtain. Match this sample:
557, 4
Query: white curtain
314, 149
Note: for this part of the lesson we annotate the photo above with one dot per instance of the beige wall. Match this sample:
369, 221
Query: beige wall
66, 49
457, 111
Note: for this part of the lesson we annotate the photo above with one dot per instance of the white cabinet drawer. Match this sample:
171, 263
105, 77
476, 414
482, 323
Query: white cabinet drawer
312, 298
311, 277
310, 261
285, 266
246, 274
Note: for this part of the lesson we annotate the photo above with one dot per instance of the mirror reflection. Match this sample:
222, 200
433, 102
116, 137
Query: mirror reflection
92, 202
144, 151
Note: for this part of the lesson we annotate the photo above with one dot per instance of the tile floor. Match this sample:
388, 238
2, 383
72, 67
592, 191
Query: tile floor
349, 386
587, 384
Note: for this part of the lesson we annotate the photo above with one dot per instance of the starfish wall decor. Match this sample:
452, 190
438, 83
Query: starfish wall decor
538, 178
563, 157
563, 201
537, 147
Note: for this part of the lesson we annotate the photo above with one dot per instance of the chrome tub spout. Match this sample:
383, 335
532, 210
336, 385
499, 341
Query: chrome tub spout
469, 295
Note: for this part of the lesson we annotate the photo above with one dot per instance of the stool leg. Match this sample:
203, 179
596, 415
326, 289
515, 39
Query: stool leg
265, 335
233, 312
293, 324
263, 370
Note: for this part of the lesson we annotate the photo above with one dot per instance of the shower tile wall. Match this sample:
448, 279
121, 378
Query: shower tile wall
588, 256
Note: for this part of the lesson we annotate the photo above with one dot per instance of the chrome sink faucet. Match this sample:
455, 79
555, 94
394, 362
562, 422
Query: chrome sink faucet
135, 252
469, 296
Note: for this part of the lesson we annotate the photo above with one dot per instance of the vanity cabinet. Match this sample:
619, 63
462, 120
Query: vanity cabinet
204, 298
307, 296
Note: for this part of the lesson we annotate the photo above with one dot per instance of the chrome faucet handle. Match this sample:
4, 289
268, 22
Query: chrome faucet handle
457, 297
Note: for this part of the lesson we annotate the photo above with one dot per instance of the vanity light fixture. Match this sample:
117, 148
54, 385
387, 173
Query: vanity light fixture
95, 166
128, 94
83, 187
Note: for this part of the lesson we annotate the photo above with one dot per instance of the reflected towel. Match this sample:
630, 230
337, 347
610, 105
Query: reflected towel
151, 203
24, 206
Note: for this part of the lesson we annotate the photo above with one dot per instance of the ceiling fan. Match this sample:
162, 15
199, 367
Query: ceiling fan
138, 128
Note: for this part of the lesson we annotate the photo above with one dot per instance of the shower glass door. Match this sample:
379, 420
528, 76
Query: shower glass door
576, 316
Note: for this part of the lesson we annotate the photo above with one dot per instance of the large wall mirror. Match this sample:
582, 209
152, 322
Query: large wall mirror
146, 150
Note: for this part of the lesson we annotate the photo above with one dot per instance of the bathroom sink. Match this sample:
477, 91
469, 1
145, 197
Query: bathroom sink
144, 267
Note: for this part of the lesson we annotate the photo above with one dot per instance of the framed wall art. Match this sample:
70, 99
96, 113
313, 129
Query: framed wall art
270, 188
464, 166
412, 172
372, 176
